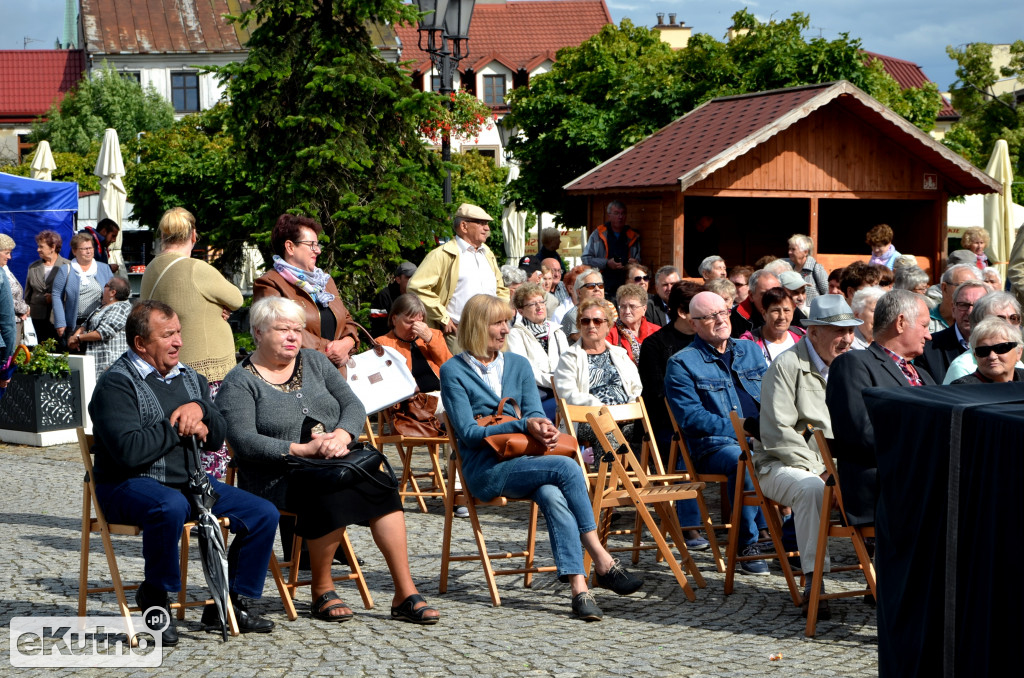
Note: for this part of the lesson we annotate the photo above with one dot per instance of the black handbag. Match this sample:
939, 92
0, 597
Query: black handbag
363, 462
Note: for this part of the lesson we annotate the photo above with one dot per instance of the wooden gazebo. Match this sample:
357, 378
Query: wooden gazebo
738, 175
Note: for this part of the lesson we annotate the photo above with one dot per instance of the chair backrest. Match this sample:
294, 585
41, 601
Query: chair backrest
611, 440
679, 449
830, 466
636, 411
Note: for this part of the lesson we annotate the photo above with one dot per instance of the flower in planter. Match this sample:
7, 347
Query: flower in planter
44, 360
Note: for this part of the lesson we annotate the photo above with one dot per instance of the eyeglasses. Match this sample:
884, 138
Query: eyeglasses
535, 305
640, 278
999, 349
712, 317
964, 305
1013, 319
592, 286
632, 308
586, 322
311, 244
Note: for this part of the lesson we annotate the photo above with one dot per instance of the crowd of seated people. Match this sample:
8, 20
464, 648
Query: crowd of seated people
784, 344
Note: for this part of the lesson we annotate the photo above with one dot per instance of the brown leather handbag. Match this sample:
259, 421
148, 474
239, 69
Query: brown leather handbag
511, 445
414, 418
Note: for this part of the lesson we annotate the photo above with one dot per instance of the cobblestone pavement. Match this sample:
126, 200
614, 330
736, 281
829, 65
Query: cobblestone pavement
654, 632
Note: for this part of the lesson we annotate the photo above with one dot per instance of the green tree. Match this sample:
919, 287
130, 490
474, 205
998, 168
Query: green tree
325, 127
105, 99
624, 84
70, 167
986, 118
192, 164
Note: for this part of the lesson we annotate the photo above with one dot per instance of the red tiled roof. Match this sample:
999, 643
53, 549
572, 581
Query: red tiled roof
519, 31
908, 74
31, 80
707, 138
680, 147
162, 26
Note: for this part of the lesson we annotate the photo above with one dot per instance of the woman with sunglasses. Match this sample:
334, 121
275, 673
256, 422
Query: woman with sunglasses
638, 274
631, 328
593, 372
1002, 305
588, 285
295, 276
997, 347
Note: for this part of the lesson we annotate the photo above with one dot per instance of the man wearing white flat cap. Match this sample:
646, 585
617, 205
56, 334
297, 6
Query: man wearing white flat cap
789, 467
453, 273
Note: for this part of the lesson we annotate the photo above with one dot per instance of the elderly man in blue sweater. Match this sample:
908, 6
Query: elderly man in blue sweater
704, 383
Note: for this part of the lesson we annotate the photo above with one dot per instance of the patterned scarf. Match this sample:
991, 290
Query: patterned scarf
313, 283
884, 258
634, 345
540, 332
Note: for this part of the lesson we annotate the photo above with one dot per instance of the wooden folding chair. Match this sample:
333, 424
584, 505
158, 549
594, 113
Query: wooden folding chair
463, 497
287, 589
410, 483
770, 509
93, 520
680, 451
622, 481
838, 528
650, 458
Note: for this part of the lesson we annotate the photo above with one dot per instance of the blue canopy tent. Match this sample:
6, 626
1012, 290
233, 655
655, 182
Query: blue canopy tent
27, 207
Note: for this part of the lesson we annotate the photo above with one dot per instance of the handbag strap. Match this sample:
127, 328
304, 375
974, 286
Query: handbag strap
374, 346
163, 273
515, 407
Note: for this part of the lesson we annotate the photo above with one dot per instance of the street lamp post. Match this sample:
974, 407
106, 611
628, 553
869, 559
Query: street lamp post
446, 28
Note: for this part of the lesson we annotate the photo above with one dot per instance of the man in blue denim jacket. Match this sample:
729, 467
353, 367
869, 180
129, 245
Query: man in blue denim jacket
704, 383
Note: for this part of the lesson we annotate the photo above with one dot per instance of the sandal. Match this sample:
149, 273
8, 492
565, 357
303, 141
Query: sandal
318, 611
408, 611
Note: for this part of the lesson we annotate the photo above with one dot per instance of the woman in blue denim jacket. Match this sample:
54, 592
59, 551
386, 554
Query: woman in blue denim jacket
704, 383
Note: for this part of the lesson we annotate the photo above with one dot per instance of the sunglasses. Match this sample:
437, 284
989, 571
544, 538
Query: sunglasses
586, 322
591, 286
640, 278
998, 349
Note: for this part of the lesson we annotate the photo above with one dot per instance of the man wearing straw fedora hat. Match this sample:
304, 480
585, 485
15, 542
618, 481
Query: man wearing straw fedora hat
789, 467
456, 271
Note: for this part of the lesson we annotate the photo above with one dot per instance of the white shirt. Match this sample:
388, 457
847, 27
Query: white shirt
475, 277
491, 373
145, 369
816, 360
773, 351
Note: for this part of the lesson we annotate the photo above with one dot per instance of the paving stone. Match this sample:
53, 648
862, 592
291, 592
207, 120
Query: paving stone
654, 632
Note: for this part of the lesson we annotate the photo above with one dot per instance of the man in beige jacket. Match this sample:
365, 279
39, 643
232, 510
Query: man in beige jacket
789, 467
453, 273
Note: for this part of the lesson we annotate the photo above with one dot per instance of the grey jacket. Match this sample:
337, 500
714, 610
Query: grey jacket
792, 396
263, 422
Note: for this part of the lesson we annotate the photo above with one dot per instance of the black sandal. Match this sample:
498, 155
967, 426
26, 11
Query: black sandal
318, 611
408, 611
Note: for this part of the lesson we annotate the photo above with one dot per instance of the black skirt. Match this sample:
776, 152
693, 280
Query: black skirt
320, 513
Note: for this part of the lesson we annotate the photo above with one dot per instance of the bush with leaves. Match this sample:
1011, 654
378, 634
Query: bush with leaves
44, 359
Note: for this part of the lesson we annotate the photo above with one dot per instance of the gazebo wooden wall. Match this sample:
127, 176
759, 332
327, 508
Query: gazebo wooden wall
828, 156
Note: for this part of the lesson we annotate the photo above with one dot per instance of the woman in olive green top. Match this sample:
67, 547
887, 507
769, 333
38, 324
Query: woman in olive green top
202, 298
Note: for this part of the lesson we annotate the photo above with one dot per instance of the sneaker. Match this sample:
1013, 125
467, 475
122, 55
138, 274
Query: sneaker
619, 580
584, 606
461, 512
753, 566
697, 544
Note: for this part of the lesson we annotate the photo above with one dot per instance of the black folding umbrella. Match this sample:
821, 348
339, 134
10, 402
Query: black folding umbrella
212, 550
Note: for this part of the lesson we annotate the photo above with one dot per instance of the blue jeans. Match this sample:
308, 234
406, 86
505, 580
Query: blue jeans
558, 487
688, 510
161, 512
722, 461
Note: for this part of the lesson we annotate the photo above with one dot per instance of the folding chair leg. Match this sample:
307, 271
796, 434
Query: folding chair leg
353, 563
819, 563
531, 544
183, 564
734, 530
867, 565
485, 558
710, 531
662, 544
449, 518
282, 589
83, 566
668, 517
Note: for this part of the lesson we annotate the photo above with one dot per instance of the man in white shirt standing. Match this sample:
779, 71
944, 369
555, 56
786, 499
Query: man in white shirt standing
453, 273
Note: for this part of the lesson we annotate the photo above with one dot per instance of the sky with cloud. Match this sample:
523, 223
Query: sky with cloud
915, 31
